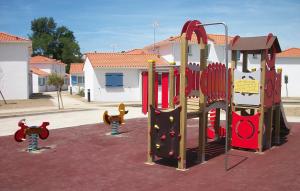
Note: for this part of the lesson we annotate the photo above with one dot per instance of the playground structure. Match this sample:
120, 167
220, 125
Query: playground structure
33, 132
193, 90
115, 120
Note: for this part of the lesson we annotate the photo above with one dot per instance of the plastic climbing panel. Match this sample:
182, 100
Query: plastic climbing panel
246, 88
165, 132
245, 131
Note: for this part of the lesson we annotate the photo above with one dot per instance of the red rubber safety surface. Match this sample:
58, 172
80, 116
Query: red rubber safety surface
84, 158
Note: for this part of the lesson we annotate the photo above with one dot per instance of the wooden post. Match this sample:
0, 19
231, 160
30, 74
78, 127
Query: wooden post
233, 67
171, 85
277, 124
151, 101
232, 106
202, 106
183, 103
268, 127
217, 124
262, 102
245, 61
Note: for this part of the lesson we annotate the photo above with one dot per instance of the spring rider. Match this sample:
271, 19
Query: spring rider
33, 132
115, 120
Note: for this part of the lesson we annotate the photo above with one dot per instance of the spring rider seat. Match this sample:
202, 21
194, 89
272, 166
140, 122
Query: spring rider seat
115, 120
33, 132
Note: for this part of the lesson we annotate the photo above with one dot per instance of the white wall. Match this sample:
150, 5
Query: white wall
14, 70
172, 52
89, 76
35, 84
129, 92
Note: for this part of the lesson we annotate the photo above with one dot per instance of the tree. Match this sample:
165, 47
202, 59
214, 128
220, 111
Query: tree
57, 81
52, 41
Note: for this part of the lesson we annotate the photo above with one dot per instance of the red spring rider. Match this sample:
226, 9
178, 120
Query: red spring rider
33, 132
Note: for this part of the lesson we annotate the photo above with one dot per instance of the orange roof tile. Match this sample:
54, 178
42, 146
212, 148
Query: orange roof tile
44, 60
76, 68
116, 60
39, 72
4, 37
290, 53
137, 51
215, 38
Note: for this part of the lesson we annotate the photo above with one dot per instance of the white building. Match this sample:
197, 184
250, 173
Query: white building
76, 77
169, 49
116, 77
14, 68
47, 66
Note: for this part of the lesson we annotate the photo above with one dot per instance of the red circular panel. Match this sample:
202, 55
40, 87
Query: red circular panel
244, 129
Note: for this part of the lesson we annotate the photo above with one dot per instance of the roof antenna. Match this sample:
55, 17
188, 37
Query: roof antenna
155, 25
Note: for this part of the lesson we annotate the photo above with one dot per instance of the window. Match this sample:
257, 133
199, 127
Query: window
114, 79
42, 81
254, 56
80, 79
74, 80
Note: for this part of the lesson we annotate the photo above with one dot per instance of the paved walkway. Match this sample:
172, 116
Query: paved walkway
76, 113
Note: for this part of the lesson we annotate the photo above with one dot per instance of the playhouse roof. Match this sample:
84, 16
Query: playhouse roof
44, 60
5, 37
39, 72
290, 53
76, 68
123, 60
255, 44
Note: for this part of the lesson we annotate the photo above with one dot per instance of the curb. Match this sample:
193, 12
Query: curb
22, 114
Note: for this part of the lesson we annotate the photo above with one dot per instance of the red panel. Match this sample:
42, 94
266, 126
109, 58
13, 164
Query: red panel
269, 88
203, 81
271, 56
213, 82
145, 92
245, 131
218, 81
164, 90
222, 83
197, 79
277, 92
209, 83
156, 89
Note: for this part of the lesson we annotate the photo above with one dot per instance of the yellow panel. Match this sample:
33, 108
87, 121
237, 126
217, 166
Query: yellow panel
246, 86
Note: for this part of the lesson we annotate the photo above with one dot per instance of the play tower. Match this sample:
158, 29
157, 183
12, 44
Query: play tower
250, 98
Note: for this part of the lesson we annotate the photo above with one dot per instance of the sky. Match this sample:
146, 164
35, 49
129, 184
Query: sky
117, 25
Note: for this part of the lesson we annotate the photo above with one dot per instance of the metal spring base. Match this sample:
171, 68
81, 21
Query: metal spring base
115, 128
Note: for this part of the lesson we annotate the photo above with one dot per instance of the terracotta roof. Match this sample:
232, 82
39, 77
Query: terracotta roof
4, 37
76, 68
290, 53
39, 72
137, 51
44, 60
215, 38
116, 60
